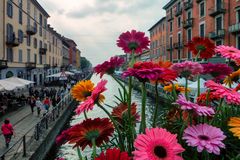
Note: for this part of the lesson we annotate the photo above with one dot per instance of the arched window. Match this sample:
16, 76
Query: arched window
9, 8
9, 74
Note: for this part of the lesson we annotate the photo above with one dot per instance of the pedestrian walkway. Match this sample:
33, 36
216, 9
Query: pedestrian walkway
22, 120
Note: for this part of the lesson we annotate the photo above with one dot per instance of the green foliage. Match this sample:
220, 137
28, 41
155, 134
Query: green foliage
85, 63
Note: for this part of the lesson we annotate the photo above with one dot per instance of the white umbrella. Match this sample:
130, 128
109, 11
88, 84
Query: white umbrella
19, 80
60, 74
182, 81
9, 86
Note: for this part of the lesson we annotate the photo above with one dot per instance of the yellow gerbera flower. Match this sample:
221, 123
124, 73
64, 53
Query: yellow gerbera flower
235, 123
82, 90
178, 88
232, 77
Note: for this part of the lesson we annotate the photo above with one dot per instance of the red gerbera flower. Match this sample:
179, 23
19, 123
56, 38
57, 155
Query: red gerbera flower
109, 66
113, 154
203, 98
202, 45
121, 110
82, 134
133, 40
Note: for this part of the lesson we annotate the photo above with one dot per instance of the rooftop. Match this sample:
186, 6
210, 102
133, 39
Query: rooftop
169, 4
162, 19
35, 2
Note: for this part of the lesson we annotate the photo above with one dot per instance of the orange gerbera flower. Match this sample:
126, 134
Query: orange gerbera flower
178, 88
235, 123
203, 97
233, 77
165, 64
82, 90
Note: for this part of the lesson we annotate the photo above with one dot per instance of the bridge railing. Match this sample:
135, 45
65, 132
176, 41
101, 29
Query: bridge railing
36, 132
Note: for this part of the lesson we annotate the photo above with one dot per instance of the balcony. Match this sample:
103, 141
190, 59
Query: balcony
170, 17
54, 65
31, 30
178, 45
12, 41
188, 23
3, 64
169, 48
43, 51
188, 5
46, 66
198, 1
219, 9
234, 28
219, 34
178, 11
30, 65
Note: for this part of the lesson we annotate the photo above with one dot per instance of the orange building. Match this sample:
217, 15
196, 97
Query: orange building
158, 40
217, 19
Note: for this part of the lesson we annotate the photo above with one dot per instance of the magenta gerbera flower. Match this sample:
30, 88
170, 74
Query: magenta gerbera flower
205, 137
157, 143
108, 67
187, 68
231, 96
218, 71
133, 40
144, 71
96, 97
229, 52
187, 105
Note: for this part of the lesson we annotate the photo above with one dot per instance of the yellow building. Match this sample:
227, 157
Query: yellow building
78, 56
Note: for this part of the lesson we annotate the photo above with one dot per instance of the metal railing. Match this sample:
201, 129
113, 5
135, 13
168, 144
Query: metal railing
36, 132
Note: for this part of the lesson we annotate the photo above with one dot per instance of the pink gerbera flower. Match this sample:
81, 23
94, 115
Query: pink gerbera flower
109, 66
205, 137
231, 96
133, 40
218, 71
229, 52
200, 110
187, 68
155, 144
144, 71
96, 97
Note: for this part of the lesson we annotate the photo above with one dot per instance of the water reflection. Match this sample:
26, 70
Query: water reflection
66, 150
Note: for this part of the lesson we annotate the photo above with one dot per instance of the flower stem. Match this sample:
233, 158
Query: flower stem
156, 106
186, 88
174, 92
198, 83
85, 115
79, 154
143, 110
94, 153
120, 83
207, 97
196, 58
121, 143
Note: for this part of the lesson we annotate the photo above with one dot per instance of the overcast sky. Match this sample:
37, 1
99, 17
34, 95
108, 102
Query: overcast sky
96, 24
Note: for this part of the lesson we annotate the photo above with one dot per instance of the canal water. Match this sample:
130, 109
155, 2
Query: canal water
66, 151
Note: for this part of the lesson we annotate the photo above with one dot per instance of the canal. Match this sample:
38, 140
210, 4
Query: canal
66, 150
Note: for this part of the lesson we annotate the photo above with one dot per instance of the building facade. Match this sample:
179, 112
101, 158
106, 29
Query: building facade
78, 56
158, 40
218, 20
72, 52
65, 56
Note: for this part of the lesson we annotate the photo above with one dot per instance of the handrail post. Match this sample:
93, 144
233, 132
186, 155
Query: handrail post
37, 132
46, 120
24, 146
3, 157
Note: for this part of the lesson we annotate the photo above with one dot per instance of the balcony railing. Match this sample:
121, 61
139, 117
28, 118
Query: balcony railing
234, 28
219, 9
169, 47
46, 66
30, 65
43, 51
198, 1
178, 45
170, 17
217, 34
31, 30
178, 11
188, 23
188, 5
3, 64
12, 41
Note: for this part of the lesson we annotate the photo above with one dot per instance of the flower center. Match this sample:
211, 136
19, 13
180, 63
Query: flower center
132, 45
232, 51
186, 73
94, 134
203, 137
160, 152
86, 94
200, 48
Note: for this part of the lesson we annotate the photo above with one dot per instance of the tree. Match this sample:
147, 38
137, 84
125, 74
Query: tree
85, 63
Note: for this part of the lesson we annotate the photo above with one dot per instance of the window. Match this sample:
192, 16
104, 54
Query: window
238, 16
35, 26
40, 31
10, 54
171, 26
189, 14
28, 40
219, 23
28, 6
28, 20
40, 19
179, 22
20, 55
35, 58
45, 45
9, 8
20, 16
202, 30
40, 59
49, 48
238, 41
45, 23
28, 55
35, 14
35, 42
40, 44
9, 30
189, 38
202, 9
20, 36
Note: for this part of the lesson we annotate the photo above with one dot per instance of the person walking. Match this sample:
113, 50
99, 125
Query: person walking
47, 103
39, 106
32, 103
7, 131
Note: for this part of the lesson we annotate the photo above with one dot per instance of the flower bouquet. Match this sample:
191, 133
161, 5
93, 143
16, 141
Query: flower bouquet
204, 128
